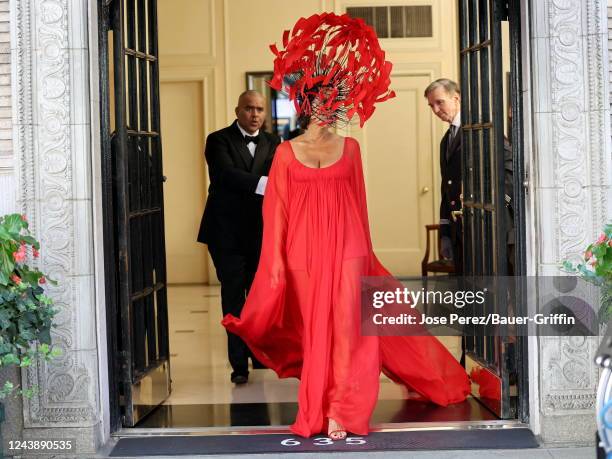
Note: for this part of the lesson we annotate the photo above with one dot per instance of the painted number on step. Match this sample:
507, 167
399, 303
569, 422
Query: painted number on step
355, 440
290, 442
322, 441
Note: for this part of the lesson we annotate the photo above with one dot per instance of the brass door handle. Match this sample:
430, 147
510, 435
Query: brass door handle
424, 190
456, 213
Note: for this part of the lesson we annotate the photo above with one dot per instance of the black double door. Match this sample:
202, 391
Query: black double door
134, 212
492, 214
135, 266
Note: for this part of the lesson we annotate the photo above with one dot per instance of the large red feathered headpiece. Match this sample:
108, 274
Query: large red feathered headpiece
332, 67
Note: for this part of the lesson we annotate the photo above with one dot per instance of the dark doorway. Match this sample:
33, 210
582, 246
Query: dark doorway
135, 268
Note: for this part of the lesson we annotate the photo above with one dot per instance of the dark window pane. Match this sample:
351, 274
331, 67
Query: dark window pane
417, 21
397, 22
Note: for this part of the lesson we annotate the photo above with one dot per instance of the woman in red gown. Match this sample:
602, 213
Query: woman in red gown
302, 315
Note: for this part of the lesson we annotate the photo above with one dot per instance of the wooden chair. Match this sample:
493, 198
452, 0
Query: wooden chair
435, 266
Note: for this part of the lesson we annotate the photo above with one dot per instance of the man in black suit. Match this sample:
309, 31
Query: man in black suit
239, 159
444, 98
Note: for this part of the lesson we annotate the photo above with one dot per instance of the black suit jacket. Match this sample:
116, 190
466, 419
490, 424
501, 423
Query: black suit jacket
232, 218
450, 168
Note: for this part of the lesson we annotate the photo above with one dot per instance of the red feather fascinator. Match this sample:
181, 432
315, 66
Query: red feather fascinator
332, 67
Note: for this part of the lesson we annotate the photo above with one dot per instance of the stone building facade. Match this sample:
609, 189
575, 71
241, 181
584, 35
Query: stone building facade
50, 170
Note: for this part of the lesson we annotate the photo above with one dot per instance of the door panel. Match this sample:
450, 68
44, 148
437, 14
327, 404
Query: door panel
399, 173
185, 188
137, 186
485, 218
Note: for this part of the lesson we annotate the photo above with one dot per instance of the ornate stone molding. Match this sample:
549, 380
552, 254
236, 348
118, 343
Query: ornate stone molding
46, 157
569, 44
568, 377
22, 85
598, 110
579, 121
570, 145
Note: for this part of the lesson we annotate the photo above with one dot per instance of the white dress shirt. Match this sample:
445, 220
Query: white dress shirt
263, 181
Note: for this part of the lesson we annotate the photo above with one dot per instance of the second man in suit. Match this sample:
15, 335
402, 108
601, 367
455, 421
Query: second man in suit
239, 159
444, 98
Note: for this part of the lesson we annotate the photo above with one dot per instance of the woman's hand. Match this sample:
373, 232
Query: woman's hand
277, 272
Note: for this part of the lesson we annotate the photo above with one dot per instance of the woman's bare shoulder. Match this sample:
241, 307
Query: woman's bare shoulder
283, 151
297, 138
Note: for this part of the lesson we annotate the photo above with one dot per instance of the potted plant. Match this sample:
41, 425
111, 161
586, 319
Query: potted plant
596, 268
26, 313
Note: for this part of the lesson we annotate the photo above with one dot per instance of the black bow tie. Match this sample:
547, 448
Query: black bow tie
251, 138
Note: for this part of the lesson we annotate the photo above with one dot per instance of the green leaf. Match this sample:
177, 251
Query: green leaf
56, 352
4, 234
10, 359
31, 277
569, 266
5, 318
7, 263
14, 223
6, 390
44, 335
599, 250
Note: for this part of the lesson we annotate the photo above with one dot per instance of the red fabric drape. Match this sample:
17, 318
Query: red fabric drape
302, 315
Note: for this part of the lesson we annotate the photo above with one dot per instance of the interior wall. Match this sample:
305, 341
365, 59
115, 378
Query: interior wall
251, 28
220, 40
184, 190
398, 156
400, 144
191, 54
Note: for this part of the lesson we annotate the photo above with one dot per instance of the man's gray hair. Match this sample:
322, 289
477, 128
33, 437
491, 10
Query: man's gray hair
449, 85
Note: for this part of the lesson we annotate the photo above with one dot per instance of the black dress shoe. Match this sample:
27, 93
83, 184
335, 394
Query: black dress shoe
240, 379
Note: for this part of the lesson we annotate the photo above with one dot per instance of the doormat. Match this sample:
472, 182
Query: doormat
285, 443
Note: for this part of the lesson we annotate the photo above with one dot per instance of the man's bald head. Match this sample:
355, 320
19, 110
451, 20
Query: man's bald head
250, 93
251, 111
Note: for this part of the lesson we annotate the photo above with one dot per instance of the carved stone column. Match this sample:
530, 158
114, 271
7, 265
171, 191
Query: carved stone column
54, 172
571, 159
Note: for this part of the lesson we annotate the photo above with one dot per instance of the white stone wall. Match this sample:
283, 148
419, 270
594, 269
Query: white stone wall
569, 190
53, 171
609, 188
7, 182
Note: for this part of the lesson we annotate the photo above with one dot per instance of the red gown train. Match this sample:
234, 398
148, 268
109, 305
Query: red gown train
307, 325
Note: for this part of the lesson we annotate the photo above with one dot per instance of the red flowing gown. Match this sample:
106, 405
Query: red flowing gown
307, 325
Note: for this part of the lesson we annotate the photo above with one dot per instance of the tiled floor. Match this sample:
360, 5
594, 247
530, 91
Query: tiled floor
199, 366
203, 396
